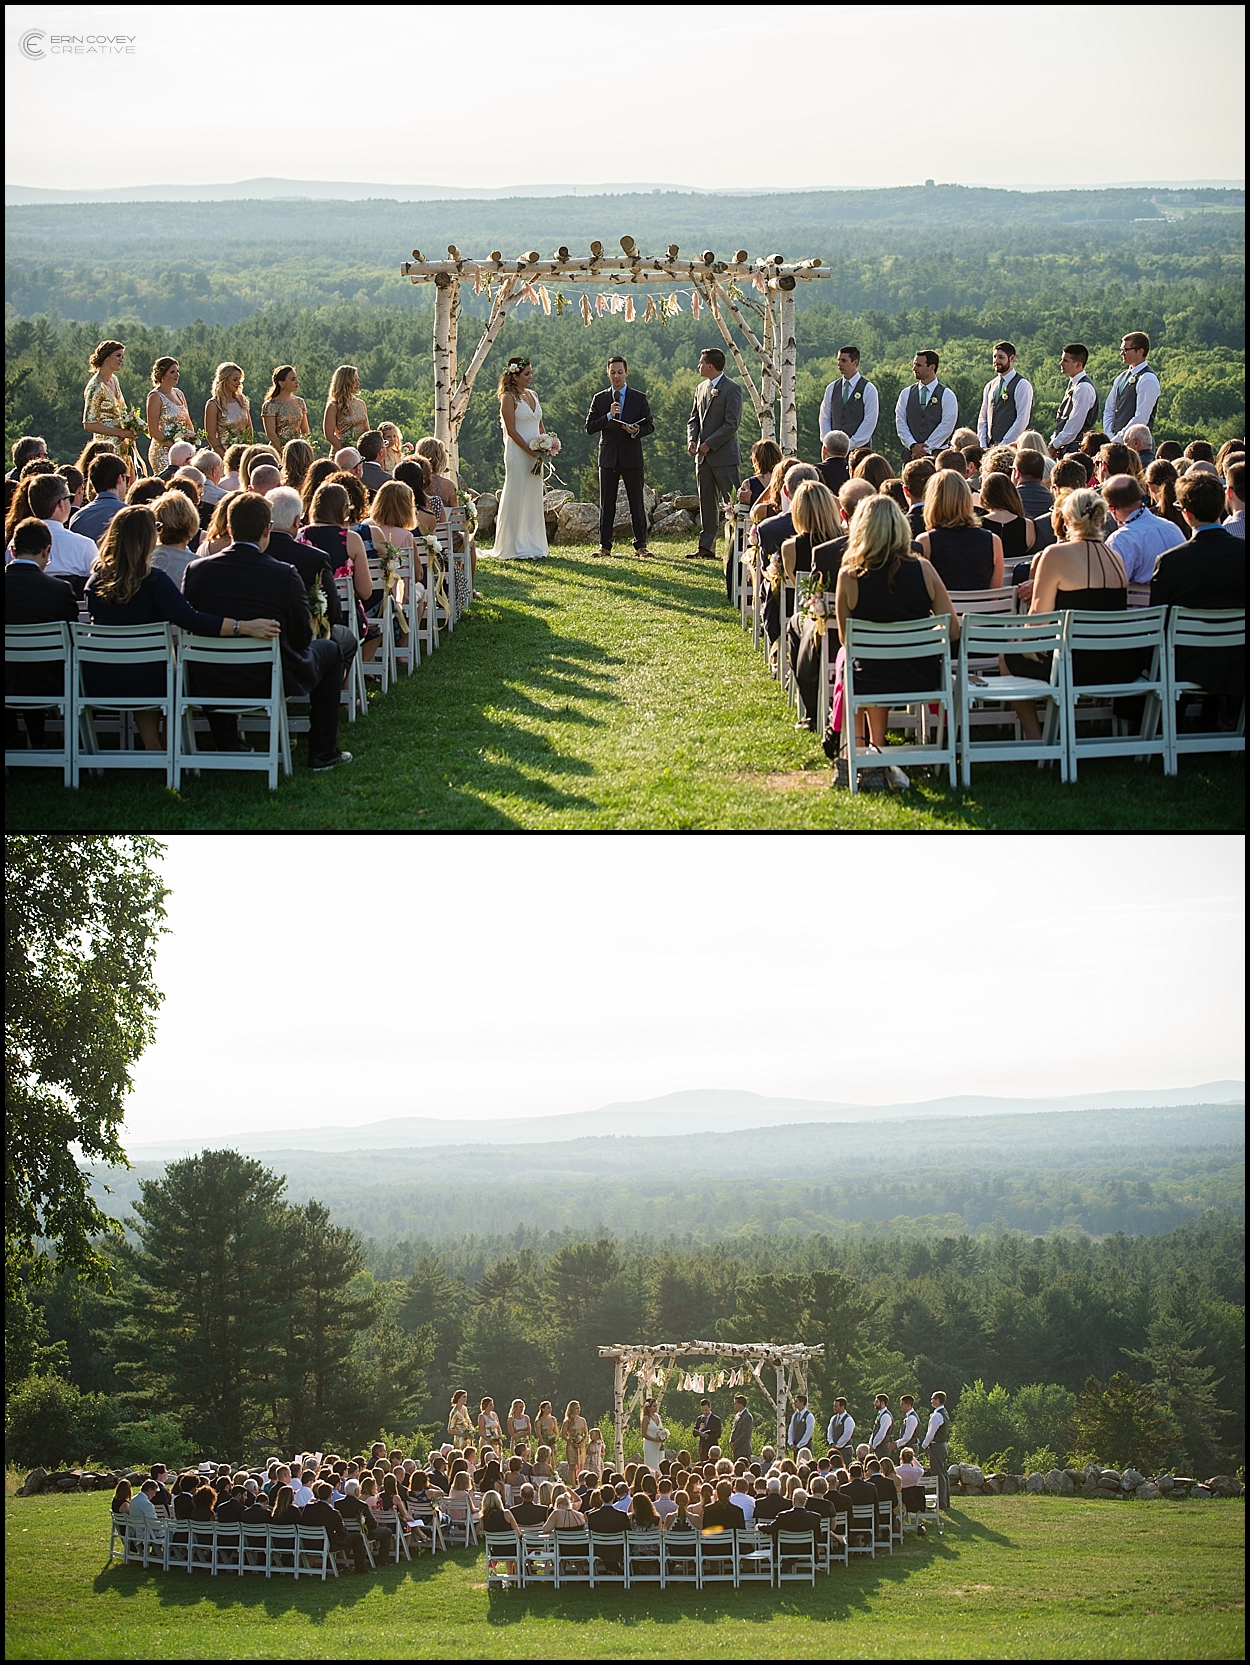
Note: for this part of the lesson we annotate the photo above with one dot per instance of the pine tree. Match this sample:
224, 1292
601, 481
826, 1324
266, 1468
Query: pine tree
1182, 1382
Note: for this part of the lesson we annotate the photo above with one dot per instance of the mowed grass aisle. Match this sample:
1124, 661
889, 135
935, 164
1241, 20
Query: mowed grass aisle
1012, 1578
583, 693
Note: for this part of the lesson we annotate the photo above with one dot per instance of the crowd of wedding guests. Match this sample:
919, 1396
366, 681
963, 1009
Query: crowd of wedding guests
232, 537
1082, 519
505, 1475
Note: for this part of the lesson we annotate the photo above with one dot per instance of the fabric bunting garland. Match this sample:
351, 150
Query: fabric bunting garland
629, 309
585, 309
545, 298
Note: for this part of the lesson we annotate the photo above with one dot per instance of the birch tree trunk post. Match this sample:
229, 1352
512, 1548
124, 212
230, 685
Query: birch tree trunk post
618, 1411
789, 354
443, 286
505, 299
453, 355
781, 1408
711, 296
768, 380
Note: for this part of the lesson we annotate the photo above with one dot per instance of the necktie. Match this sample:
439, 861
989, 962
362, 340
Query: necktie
924, 396
846, 392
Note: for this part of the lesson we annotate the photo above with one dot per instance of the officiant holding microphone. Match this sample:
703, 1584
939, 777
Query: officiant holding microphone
621, 416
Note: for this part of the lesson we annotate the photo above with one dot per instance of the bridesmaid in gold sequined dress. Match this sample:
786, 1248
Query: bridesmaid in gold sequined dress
167, 415
227, 415
104, 409
346, 418
285, 416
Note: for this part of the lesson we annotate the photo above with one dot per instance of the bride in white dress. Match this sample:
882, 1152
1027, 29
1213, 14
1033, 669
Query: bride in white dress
652, 1436
520, 530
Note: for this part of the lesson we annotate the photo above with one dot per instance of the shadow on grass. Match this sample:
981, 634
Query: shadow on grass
279, 1594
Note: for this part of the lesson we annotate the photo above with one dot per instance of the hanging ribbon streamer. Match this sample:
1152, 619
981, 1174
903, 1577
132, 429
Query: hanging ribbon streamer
545, 298
696, 305
585, 310
527, 294
672, 306
650, 315
477, 281
601, 303
629, 309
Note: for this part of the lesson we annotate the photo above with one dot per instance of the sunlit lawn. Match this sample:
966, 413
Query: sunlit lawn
584, 693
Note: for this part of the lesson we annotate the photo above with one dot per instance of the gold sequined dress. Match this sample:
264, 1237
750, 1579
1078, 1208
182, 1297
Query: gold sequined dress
290, 417
175, 424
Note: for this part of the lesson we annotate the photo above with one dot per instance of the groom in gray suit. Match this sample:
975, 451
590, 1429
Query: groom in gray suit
712, 439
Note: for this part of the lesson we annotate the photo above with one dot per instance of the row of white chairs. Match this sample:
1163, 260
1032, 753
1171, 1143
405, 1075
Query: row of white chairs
422, 612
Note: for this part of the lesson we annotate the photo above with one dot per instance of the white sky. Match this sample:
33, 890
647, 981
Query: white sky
342, 980
488, 96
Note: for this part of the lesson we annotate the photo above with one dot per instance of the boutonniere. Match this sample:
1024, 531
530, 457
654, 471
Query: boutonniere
715, 393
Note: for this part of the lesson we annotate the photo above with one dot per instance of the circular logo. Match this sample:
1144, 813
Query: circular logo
29, 44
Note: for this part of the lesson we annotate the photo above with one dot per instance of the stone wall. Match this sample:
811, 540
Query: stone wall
968, 1480
672, 515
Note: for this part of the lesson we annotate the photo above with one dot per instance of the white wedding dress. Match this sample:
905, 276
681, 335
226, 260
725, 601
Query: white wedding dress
520, 530
652, 1446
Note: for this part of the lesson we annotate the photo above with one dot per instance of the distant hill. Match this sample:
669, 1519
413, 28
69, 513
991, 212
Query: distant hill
703, 1110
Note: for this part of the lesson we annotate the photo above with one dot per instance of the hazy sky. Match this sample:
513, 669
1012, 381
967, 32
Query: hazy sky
694, 95
350, 979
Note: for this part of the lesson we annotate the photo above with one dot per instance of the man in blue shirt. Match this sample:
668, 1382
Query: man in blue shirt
110, 480
1141, 537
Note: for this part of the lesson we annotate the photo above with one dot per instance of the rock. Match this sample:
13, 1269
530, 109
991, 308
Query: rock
69, 1483
1035, 1483
1146, 1490
1184, 1480
622, 521
1165, 1482
577, 523
36, 1480
684, 502
1011, 1484
1059, 1483
556, 499
1223, 1485
487, 514
993, 1484
1076, 1475
672, 525
1130, 1479
1201, 1491
1109, 1477
1106, 1491
971, 1475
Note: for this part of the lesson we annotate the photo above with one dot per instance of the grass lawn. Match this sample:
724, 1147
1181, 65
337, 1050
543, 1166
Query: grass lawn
1013, 1578
585, 693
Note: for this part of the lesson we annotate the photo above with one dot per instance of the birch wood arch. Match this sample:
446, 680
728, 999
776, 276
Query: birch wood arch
653, 1367
759, 325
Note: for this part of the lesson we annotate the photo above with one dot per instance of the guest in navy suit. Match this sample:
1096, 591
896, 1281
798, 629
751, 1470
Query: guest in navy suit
621, 416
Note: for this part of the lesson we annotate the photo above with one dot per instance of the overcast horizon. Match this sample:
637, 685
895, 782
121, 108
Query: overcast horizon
589, 92
529, 977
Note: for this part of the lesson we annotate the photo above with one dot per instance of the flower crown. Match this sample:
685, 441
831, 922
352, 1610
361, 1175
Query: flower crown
516, 365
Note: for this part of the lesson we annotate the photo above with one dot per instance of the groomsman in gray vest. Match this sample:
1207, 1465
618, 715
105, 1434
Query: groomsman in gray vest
926, 413
1006, 403
712, 439
850, 406
1134, 393
1078, 409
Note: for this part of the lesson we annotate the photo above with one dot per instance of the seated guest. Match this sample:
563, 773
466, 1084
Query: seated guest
122, 1493
208, 465
247, 580
772, 1504
177, 522
909, 1475
1027, 475
142, 1503
564, 1517
124, 588
664, 1505
679, 1522
1032, 441
495, 1518
768, 503
796, 1517
180, 454
916, 477
303, 1487
1117, 458
1082, 572
895, 489
372, 446
265, 477
1200, 450
857, 1491
442, 487
203, 1504
817, 520
232, 1508
765, 455
31, 597
965, 554
954, 461
1140, 536
257, 1511
774, 531
348, 461
875, 469
643, 1516
1209, 571
284, 1511
329, 531
527, 1511
820, 1503
145, 491
72, 556
881, 580
1002, 513
742, 1497
834, 468
162, 1496
415, 475
605, 1520
76, 482
722, 1512
109, 478
1139, 438
27, 449
887, 1491
1235, 480
309, 560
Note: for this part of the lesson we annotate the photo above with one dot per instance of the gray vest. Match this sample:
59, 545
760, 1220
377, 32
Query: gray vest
1003, 410
1065, 409
921, 423
1126, 400
848, 415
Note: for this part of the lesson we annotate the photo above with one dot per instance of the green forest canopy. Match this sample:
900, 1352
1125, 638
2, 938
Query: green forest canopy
317, 284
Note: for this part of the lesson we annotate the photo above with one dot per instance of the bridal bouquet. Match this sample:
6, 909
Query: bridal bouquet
547, 446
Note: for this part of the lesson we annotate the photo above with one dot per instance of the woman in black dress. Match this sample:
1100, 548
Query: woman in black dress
765, 455
880, 579
1002, 513
965, 555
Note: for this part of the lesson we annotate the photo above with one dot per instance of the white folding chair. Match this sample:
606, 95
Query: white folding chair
737, 525
1207, 628
203, 1538
1089, 632
42, 644
932, 1499
227, 1548
796, 1558
445, 595
885, 1526
861, 1536
412, 615
612, 1569
122, 648
572, 1554
458, 1507
718, 1558
680, 1554
837, 1530
353, 695
644, 1559
284, 1550
314, 1552
255, 1548
884, 643
178, 1545
383, 663
503, 1551
229, 653
356, 1530
756, 1560
983, 638
538, 1557
393, 1521
431, 1520
457, 524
